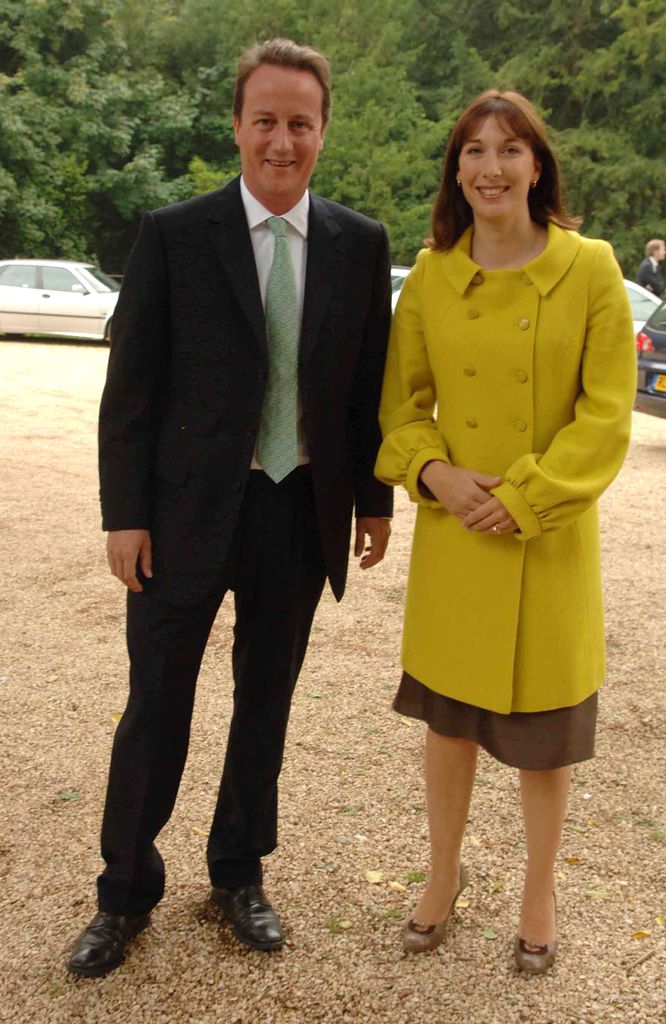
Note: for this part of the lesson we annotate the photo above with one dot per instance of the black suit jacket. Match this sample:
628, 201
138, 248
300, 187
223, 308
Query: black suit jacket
187, 371
651, 278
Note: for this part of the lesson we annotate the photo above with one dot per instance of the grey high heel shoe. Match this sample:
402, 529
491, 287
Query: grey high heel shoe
421, 940
538, 959
534, 961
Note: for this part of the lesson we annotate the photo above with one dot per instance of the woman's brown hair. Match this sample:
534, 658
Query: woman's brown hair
452, 213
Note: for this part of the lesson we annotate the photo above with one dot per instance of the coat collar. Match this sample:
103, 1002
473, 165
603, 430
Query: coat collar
544, 272
231, 240
322, 271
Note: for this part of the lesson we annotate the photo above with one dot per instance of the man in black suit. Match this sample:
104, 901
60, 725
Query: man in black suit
238, 434
649, 272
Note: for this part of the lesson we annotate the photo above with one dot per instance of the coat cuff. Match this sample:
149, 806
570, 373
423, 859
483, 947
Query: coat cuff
515, 504
414, 472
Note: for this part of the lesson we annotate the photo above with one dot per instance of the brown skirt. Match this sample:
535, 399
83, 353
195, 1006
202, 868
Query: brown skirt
536, 740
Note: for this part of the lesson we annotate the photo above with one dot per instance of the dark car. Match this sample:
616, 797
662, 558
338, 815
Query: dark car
651, 348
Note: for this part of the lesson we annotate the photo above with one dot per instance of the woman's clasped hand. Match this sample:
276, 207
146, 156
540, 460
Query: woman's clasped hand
466, 493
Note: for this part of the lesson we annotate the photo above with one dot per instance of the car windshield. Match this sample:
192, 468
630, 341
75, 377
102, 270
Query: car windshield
658, 318
641, 306
110, 285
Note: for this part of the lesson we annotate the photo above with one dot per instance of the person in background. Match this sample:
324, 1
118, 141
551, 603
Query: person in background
649, 273
238, 435
505, 413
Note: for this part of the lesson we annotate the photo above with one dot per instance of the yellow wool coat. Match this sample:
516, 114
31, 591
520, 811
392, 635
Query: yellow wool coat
529, 375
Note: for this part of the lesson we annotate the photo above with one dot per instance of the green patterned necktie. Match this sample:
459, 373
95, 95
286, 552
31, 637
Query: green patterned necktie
276, 443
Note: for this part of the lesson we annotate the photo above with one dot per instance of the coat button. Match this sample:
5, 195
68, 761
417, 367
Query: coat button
520, 425
521, 376
472, 424
182, 427
477, 279
472, 314
524, 323
469, 371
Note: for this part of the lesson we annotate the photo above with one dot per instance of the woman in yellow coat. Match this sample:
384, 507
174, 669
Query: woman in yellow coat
505, 413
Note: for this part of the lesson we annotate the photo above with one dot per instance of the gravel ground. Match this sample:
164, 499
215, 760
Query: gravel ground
351, 795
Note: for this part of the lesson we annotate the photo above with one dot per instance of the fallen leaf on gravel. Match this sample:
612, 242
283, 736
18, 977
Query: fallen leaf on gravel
462, 903
661, 920
641, 934
374, 877
69, 795
475, 841
592, 821
596, 894
397, 887
51, 679
335, 925
315, 696
116, 716
489, 933
199, 831
572, 860
496, 886
415, 876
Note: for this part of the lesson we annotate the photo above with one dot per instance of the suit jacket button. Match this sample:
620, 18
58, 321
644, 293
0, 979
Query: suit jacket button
521, 376
469, 371
471, 423
524, 323
182, 427
521, 426
472, 314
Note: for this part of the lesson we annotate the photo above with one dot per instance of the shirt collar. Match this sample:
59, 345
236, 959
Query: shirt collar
256, 213
544, 272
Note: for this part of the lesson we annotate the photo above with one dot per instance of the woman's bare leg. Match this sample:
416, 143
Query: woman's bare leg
450, 765
544, 798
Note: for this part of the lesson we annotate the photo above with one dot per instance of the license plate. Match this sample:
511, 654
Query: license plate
660, 383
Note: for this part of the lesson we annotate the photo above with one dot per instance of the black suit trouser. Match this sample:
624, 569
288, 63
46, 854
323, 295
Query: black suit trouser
276, 570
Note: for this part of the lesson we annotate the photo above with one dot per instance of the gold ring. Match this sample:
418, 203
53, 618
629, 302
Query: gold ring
495, 528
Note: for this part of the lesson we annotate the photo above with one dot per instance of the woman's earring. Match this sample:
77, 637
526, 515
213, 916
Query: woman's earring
458, 182
533, 184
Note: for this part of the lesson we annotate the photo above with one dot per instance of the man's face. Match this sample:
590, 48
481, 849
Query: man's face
661, 252
280, 134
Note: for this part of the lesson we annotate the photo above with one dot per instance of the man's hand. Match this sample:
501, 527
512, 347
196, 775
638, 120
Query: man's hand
123, 548
459, 490
378, 531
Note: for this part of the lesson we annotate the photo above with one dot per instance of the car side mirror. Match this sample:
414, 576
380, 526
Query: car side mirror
79, 289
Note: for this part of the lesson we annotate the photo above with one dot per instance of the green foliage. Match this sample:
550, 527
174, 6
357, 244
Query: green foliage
110, 107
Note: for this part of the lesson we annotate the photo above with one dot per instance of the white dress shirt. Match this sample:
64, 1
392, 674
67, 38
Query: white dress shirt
263, 245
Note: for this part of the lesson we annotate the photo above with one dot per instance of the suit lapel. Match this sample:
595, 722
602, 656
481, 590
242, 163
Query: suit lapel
324, 261
230, 237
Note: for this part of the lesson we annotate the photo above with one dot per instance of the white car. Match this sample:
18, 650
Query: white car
56, 297
398, 275
643, 303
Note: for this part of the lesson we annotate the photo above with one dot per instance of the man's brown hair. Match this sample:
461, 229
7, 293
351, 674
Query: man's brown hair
452, 214
284, 53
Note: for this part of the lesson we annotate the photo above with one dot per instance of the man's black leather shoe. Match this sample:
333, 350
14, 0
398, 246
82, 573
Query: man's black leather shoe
101, 947
250, 913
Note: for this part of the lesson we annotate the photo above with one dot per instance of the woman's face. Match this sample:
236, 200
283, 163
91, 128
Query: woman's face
495, 171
